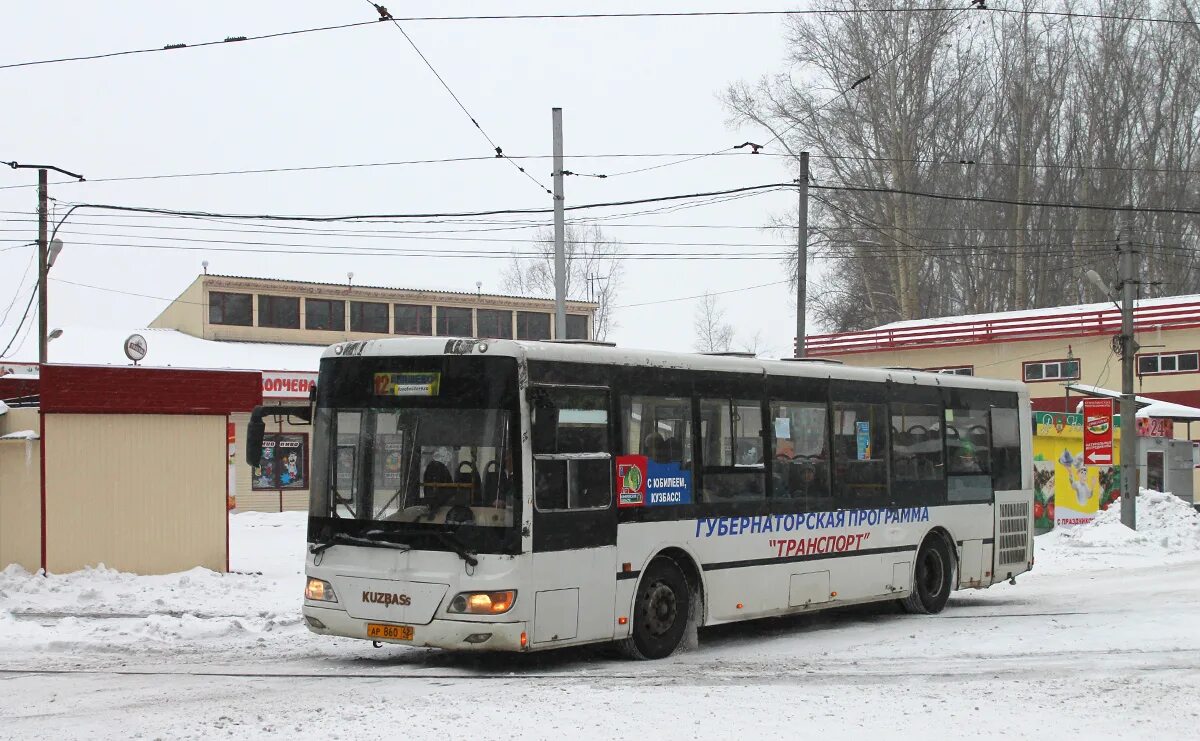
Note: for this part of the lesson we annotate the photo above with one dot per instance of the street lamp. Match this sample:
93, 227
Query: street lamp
54, 335
1128, 348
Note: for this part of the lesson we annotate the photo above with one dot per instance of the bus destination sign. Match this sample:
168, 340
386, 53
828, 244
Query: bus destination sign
407, 384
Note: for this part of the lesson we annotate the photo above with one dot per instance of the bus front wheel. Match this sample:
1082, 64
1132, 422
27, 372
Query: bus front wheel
661, 610
933, 578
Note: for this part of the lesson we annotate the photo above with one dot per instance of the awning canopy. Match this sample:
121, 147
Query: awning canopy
1147, 407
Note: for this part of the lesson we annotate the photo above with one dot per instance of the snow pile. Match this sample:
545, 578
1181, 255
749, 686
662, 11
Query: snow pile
258, 599
266, 580
1167, 526
20, 435
3, 407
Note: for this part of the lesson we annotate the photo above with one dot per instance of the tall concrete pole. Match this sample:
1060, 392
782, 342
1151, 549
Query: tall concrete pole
802, 256
560, 256
1129, 348
43, 265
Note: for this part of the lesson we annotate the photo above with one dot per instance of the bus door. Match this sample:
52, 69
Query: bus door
574, 516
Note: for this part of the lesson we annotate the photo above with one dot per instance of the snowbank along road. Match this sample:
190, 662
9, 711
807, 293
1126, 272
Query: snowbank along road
1102, 640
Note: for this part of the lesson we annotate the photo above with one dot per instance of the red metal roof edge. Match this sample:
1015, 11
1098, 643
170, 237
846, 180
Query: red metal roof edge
1022, 328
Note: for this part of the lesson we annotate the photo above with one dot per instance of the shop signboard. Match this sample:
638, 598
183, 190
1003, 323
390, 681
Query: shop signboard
287, 384
1097, 432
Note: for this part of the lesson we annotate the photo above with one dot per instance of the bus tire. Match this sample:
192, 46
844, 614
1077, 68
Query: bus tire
933, 578
661, 609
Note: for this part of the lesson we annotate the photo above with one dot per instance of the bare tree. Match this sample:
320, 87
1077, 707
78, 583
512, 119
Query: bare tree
1022, 107
713, 333
593, 271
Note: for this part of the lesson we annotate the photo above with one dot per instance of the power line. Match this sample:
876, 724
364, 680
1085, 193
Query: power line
175, 47
460, 214
702, 295
1006, 201
734, 13
689, 156
384, 15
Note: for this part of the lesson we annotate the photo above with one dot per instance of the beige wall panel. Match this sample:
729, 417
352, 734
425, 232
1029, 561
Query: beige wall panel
20, 503
1098, 365
188, 313
249, 500
16, 420
139, 493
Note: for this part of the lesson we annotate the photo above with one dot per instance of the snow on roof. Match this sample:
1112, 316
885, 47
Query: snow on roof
169, 348
1036, 313
20, 435
1147, 407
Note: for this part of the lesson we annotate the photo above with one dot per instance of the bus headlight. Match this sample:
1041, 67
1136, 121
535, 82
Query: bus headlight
483, 603
319, 590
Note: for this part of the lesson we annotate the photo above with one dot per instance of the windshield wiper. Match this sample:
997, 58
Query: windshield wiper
343, 539
457, 546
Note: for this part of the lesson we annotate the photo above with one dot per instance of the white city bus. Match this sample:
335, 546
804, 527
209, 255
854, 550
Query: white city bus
519, 496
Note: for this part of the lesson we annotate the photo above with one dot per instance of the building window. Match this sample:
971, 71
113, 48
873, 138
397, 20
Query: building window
282, 312
954, 370
324, 314
494, 324
230, 308
1176, 362
533, 325
414, 319
453, 322
366, 316
1052, 370
284, 463
577, 327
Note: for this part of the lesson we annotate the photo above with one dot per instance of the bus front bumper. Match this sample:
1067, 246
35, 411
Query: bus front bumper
459, 635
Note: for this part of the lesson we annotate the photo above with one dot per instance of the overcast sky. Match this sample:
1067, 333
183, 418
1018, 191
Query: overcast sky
363, 95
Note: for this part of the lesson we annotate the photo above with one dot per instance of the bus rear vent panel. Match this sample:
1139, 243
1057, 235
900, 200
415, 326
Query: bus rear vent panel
1013, 543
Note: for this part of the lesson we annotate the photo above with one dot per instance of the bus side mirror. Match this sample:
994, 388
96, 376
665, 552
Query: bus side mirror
255, 430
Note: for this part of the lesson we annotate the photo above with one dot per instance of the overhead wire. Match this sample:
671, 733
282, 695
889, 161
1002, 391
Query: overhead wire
384, 15
178, 46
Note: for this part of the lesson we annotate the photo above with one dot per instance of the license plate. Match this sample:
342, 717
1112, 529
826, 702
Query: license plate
390, 632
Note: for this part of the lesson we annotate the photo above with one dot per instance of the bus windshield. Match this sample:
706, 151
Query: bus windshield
405, 446
421, 465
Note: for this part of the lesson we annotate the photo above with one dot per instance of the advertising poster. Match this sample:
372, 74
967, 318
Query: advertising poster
1068, 491
389, 461
642, 482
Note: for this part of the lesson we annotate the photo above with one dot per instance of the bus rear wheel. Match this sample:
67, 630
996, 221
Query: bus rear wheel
933, 578
661, 609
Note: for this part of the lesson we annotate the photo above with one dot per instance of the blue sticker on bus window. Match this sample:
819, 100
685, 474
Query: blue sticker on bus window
667, 484
863, 435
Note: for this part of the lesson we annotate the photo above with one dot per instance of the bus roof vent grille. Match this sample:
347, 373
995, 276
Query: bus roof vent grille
813, 360
594, 343
731, 354
903, 368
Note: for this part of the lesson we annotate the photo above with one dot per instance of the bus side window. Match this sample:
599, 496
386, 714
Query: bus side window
860, 454
801, 453
734, 465
968, 455
918, 467
1006, 449
572, 463
658, 427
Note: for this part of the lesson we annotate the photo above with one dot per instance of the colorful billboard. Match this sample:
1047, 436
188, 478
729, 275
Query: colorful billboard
1068, 491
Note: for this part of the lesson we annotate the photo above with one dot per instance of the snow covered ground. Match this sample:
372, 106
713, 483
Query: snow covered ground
1101, 641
